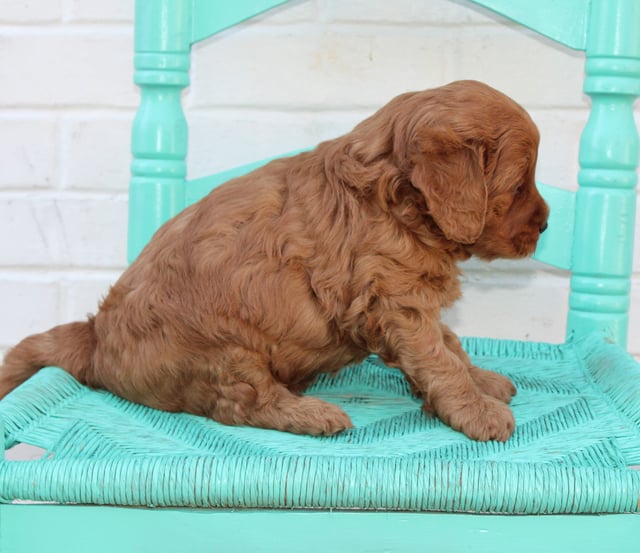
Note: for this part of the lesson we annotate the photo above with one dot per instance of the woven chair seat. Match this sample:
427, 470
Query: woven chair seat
574, 449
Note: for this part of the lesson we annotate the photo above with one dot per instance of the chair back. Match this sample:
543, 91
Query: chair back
590, 231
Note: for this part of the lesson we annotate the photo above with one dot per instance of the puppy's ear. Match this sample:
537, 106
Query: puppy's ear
449, 172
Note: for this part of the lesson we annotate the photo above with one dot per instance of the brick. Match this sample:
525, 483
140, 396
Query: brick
120, 11
297, 11
30, 11
63, 232
29, 305
367, 67
317, 71
30, 233
81, 294
95, 232
477, 269
560, 132
29, 152
96, 153
221, 140
520, 64
532, 307
92, 68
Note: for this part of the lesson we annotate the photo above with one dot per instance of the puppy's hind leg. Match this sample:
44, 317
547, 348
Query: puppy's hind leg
251, 396
280, 409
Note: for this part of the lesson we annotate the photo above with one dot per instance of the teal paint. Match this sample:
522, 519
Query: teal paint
77, 529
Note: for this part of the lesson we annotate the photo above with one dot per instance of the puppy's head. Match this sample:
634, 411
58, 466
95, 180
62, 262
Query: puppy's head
471, 152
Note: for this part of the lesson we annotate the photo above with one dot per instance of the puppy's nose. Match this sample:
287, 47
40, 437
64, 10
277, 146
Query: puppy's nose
543, 227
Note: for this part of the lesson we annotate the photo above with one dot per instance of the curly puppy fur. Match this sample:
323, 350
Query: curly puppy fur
313, 262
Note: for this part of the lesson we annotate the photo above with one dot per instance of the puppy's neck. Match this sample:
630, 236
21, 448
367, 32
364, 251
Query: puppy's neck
407, 206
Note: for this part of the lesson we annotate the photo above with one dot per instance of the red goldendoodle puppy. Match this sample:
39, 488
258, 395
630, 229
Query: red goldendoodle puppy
314, 261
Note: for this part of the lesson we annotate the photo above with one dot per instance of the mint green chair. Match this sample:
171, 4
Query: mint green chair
121, 477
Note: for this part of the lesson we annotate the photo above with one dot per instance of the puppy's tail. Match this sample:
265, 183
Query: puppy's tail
69, 346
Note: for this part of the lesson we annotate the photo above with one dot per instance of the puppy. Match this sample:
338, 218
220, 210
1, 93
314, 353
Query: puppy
313, 262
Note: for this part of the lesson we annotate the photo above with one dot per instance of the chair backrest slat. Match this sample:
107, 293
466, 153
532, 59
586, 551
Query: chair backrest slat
212, 16
564, 21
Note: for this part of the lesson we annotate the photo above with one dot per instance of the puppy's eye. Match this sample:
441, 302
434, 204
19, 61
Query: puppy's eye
519, 190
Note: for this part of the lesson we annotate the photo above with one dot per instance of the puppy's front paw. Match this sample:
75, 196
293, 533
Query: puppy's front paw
484, 419
493, 384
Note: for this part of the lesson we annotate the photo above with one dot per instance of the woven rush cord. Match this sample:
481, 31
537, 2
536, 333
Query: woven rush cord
577, 437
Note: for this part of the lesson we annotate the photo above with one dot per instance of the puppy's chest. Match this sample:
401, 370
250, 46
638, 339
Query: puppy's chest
433, 274
443, 285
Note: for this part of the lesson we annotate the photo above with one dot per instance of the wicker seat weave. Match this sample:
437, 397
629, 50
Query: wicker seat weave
577, 439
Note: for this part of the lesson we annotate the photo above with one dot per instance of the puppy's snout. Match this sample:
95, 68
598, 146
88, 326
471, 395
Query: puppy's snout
544, 227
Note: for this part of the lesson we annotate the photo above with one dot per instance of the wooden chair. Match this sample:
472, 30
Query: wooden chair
398, 481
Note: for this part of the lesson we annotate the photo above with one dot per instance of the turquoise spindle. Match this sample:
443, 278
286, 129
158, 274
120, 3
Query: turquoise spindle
606, 199
159, 135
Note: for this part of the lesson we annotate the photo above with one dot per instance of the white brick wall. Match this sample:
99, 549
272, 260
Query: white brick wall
302, 73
